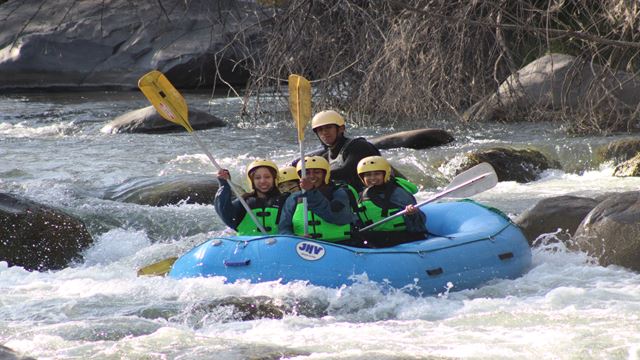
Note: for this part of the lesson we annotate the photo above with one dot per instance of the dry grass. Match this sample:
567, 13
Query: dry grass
404, 60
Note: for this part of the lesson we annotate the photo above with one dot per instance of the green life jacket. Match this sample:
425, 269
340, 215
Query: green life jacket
374, 209
407, 185
268, 218
266, 211
318, 227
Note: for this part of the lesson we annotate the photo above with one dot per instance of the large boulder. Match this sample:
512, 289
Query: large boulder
630, 167
521, 165
147, 120
38, 237
413, 139
111, 43
165, 190
619, 151
559, 82
564, 213
611, 231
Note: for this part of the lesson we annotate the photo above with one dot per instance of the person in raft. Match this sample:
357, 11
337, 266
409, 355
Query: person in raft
330, 206
265, 200
342, 153
288, 179
385, 195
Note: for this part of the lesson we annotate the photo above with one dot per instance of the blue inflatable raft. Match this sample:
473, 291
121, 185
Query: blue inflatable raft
468, 245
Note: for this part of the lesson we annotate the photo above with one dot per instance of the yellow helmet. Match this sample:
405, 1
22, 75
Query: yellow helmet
287, 173
327, 117
315, 162
262, 163
374, 163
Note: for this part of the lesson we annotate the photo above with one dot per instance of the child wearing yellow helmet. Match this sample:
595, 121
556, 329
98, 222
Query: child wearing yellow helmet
329, 213
265, 200
288, 179
384, 195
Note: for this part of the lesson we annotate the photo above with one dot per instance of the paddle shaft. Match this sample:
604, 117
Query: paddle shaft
300, 106
429, 200
305, 205
233, 188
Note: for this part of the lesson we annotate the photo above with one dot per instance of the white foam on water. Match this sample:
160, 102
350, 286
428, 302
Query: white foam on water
558, 307
23, 130
115, 245
565, 307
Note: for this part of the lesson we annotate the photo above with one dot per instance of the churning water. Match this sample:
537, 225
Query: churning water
52, 151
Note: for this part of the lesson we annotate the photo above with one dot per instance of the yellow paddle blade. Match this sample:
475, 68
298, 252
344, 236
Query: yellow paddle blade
300, 102
165, 98
160, 268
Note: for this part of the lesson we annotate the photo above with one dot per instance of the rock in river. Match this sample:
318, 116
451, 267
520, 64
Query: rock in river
38, 237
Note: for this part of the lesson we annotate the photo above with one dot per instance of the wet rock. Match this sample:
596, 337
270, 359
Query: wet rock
147, 120
38, 237
549, 215
619, 151
559, 82
112, 43
630, 167
523, 165
8, 354
247, 308
165, 190
611, 231
413, 139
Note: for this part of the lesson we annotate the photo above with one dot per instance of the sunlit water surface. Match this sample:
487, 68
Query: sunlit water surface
52, 151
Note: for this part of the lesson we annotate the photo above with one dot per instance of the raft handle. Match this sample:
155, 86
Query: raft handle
434, 272
505, 256
237, 263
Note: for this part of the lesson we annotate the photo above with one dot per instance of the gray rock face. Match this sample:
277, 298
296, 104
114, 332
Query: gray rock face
512, 164
413, 139
147, 120
38, 237
554, 82
630, 167
619, 150
111, 43
166, 190
611, 231
560, 212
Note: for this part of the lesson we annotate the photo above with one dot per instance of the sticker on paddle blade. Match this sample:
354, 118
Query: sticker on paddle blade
310, 251
167, 111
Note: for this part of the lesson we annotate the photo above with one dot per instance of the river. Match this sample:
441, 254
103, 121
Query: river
52, 151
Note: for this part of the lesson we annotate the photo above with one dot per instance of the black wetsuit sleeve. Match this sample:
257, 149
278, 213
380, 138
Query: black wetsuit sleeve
357, 150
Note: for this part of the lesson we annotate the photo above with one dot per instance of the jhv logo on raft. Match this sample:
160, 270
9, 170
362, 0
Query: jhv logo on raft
310, 250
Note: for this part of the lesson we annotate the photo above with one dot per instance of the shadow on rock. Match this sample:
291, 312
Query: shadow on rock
413, 139
38, 237
611, 231
562, 83
165, 190
522, 166
564, 213
148, 121
235, 308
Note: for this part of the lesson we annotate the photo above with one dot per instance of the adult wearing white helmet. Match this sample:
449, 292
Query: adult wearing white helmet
342, 153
